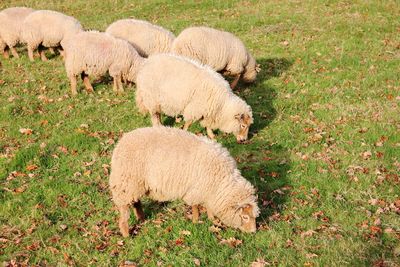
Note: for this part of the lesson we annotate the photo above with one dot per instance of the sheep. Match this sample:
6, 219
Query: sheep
10, 28
147, 38
176, 86
221, 50
48, 29
95, 53
167, 164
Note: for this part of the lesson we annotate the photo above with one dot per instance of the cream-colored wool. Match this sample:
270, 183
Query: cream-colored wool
175, 85
147, 38
221, 50
11, 20
48, 28
94, 53
168, 163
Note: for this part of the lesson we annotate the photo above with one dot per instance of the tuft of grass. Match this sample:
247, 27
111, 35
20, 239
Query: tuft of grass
324, 149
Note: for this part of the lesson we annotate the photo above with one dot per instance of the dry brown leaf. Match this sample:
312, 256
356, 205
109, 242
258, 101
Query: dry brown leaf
232, 242
196, 262
311, 255
214, 229
366, 155
26, 131
31, 167
259, 263
128, 264
185, 232
307, 233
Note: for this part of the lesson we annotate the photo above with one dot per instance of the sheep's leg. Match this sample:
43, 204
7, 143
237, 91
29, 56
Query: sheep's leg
14, 52
156, 119
187, 125
72, 79
119, 84
62, 53
210, 133
51, 49
115, 84
5, 54
137, 209
210, 215
30, 54
235, 81
195, 213
86, 82
123, 220
42, 54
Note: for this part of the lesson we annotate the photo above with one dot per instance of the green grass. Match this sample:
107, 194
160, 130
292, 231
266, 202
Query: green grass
328, 94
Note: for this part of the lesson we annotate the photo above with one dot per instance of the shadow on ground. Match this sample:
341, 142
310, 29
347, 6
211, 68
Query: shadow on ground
263, 162
260, 95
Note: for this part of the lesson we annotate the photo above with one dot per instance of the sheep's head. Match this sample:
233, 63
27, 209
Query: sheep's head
244, 218
243, 122
135, 65
251, 70
248, 219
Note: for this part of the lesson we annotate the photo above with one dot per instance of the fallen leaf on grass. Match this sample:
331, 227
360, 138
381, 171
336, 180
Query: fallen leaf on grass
179, 242
128, 264
34, 246
63, 149
20, 189
185, 232
214, 229
232, 242
31, 167
366, 155
196, 262
26, 131
307, 233
259, 263
311, 255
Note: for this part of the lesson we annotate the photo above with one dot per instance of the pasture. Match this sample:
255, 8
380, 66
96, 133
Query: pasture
324, 150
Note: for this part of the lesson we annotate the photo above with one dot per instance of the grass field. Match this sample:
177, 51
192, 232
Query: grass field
324, 151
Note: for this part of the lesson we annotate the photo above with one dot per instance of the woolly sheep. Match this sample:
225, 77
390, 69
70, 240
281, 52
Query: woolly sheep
176, 86
147, 38
95, 53
48, 28
167, 164
221, 50
10, 28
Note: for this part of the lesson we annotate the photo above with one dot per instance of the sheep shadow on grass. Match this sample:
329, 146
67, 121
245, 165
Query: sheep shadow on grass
260, 95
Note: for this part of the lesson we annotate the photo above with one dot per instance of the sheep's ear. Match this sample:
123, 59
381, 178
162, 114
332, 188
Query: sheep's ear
247, 208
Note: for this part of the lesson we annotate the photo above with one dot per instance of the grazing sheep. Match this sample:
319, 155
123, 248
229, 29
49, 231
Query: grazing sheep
95, 53
222, 51
168, 164
147, 38
176, 86
47, 28
10, 28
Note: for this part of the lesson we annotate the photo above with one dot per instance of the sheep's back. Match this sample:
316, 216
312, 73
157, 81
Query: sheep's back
90, 52
210, 46
174, 83
144, 36
171, 163
11, 20
51, 25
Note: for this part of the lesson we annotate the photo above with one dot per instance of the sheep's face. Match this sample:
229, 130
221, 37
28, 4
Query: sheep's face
247, 218
243, 124
251, 70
